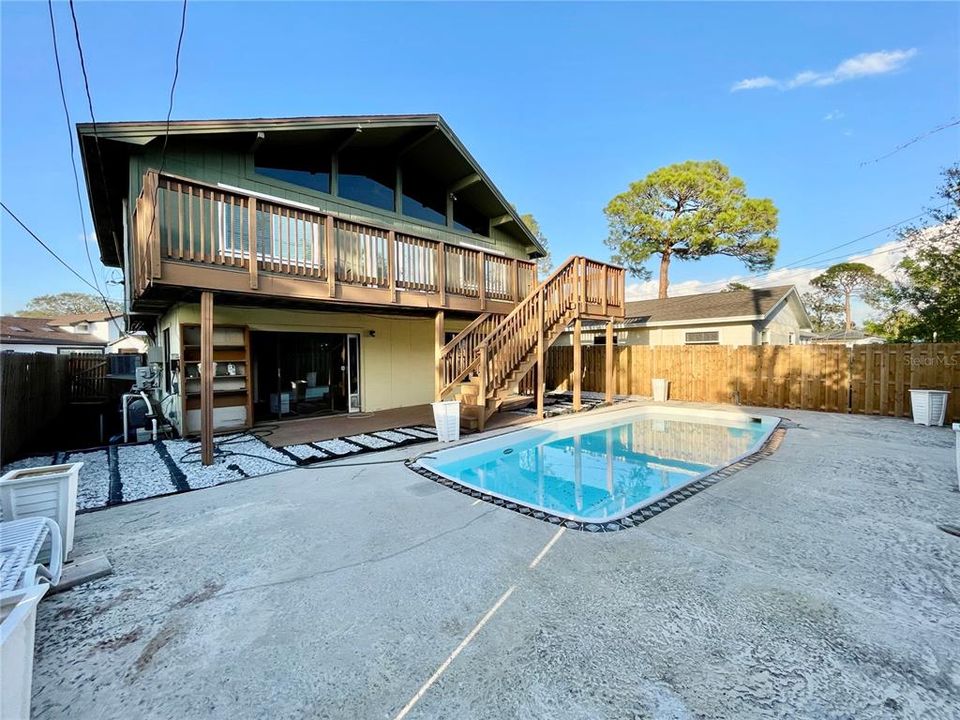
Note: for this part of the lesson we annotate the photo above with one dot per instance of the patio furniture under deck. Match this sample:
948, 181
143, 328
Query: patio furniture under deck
20, 544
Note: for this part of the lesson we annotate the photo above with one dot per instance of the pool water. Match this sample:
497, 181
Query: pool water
602, 470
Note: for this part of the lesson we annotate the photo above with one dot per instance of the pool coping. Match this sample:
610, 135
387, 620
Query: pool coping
766, 448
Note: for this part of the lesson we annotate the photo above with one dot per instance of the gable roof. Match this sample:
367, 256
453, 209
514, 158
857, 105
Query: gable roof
752, 304
101, 316
38, 331
425, 141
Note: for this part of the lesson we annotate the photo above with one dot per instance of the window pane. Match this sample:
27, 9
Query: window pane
319, 181
367, 180
469, 220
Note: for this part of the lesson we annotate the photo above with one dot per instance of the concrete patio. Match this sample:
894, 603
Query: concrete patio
812, 584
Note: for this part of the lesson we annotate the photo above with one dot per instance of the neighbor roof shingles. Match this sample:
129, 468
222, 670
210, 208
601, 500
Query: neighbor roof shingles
38, 331
730, 304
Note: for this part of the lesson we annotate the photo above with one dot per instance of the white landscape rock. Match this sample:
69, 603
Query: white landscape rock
93, 484
143, 473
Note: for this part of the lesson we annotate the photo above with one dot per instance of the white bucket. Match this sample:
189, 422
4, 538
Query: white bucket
446, 416
49, 491
929, 406
18, 622
660, 389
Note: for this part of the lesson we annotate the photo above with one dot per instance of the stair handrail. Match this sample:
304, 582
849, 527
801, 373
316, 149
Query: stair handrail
557, 304
459, 357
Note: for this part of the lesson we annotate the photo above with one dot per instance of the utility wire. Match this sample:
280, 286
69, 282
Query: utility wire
794, 265
93, 121
918, 138
46, 247
166, 133
73, 163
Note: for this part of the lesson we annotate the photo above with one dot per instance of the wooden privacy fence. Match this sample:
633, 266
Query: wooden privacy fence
864, 379
33, 394
88, 376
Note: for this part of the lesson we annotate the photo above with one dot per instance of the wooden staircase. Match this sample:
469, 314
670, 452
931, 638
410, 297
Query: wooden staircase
488, 364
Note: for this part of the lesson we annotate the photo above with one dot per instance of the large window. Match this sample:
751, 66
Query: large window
468, 219
297, 168
424, 200
366, 180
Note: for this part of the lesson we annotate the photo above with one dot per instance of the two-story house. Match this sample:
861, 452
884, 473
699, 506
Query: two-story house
320, 265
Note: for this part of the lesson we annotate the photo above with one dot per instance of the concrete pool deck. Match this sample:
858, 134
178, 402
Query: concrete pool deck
812, 584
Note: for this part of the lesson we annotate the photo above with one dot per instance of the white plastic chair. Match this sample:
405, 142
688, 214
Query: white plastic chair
20, 544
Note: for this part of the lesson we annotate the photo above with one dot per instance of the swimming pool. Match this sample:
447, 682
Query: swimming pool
607, 466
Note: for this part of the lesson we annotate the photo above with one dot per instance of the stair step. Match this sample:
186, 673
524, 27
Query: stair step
516, 402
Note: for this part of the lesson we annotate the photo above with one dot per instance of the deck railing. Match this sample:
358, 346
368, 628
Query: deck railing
187, 221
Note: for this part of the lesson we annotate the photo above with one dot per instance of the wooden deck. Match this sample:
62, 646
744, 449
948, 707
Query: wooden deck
295, 432
292, 432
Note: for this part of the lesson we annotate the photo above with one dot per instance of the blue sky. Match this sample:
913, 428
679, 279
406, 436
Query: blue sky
563, 104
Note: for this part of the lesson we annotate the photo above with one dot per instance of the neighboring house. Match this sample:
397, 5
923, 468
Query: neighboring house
33, 335
845, 337
328, 258
103, 326
758, 316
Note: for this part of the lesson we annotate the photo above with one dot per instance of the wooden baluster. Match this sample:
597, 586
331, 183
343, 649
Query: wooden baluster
442, 273
252, 241
603, 300
482, 392
203, 225
331, 256
190, 222
482, 280
392, 273
180, 220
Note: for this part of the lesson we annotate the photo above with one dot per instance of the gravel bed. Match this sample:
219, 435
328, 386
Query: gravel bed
93, 485
143, 473
338, 446
392, 436
369, 441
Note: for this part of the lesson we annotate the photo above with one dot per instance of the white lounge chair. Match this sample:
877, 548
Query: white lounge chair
20, 544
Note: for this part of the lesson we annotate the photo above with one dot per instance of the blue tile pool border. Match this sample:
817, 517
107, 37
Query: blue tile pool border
647, 512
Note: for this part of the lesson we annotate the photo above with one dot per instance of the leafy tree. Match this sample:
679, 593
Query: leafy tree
824, 310
731, 286
65, 303
924, 302
688, 211
844, 281
545, 263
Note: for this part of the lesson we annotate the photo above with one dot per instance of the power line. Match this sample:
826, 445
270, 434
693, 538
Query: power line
864, 237
73, 163
46, 247
794, 265
73, 159
166, 133
93, 120
918, 138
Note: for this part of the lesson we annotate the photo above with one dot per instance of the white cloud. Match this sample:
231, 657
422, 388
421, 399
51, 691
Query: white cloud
863, 65
754, 83
833, 115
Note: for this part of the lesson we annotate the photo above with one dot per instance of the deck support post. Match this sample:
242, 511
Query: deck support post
206, 377
438, 347
608, 384
541, 370
577, 363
